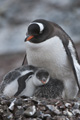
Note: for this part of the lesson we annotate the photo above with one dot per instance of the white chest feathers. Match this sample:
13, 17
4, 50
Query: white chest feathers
49, 54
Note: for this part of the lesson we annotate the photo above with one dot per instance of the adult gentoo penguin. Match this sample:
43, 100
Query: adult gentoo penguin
49, 46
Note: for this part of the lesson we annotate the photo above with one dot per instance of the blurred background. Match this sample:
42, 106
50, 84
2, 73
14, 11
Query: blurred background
15, 15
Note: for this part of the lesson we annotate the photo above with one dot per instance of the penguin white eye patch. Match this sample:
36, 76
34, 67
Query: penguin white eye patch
41, 26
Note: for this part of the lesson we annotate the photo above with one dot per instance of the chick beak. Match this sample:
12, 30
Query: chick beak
28, 38
43, 81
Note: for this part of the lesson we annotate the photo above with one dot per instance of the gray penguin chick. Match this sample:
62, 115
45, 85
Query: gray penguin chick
54, 88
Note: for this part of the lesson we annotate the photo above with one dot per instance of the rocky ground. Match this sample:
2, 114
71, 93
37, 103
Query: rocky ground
23, 108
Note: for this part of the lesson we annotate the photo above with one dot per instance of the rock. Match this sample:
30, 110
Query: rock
10, 116
11, 107
30, 111
67, 105
1, 111
76, 112
67, 113
42, 107
76, 105
54, 109
62, 118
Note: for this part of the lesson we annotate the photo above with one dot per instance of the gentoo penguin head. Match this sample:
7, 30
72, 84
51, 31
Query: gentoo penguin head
41, 77
39, 30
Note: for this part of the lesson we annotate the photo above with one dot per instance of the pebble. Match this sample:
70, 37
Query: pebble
10, 116
1, 111
67, 105
54, 109
42, 108
30, 111
76, 105
67, 113
11, 107
76, 112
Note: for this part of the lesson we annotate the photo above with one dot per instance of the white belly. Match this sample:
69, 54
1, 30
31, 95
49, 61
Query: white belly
50, 55
11, 88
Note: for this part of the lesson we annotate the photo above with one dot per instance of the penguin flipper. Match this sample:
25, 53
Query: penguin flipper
21, 83
10, 76
73, 58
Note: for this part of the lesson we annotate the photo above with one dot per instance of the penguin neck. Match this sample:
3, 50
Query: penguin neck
31, 85
30, 88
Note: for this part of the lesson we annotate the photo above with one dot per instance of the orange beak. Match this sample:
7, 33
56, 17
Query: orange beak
29, 38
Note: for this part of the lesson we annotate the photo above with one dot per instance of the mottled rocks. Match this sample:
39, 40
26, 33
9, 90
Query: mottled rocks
24, 108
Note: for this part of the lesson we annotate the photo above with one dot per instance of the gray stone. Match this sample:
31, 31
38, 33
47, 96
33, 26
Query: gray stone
30, 111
